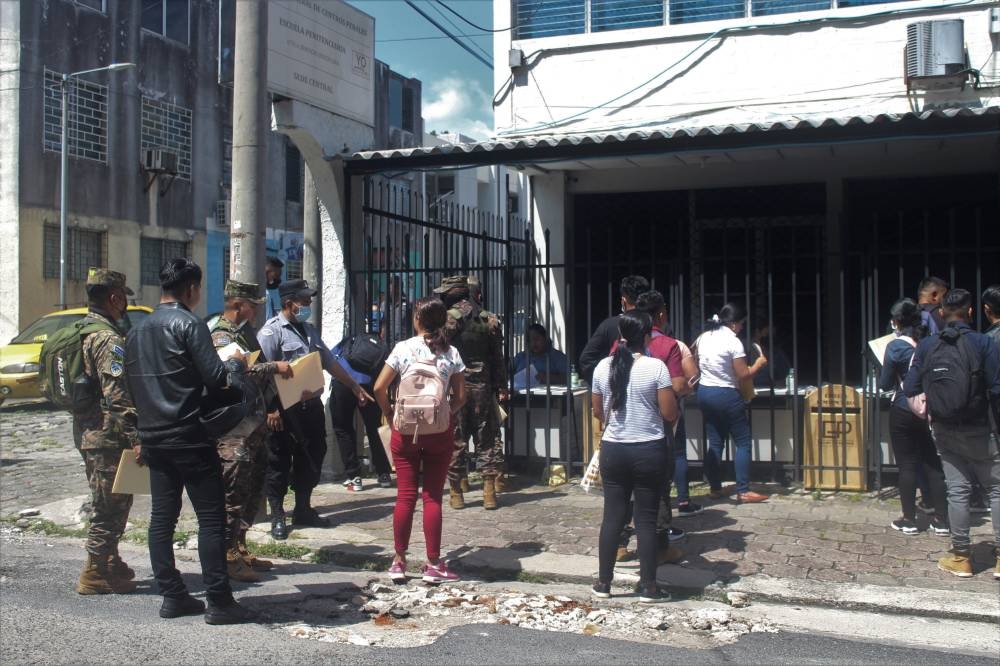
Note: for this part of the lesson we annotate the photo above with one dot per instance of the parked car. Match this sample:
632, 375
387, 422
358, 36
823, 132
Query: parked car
19, 359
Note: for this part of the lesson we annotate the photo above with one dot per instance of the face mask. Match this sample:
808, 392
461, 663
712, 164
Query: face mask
303, 314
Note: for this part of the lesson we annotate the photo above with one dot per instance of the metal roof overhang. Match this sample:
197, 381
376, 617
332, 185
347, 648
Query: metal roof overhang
552, 149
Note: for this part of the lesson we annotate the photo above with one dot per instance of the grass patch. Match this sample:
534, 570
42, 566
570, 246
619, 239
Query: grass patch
281, 551
48, 528
855, 497
140, 537
528, 577
817, 495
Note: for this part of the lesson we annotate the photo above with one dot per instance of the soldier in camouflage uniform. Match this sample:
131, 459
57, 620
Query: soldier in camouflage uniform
476, 333
244, 459
102, 427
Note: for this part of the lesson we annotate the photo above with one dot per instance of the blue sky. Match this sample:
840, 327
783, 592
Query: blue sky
457, 88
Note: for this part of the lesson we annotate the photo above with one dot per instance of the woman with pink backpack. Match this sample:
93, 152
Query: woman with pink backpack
431, 391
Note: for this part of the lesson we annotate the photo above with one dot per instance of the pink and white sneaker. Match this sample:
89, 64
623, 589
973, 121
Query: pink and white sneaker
397, 572
440, 573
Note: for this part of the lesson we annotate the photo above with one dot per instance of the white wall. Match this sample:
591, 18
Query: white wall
10, 144
754, 75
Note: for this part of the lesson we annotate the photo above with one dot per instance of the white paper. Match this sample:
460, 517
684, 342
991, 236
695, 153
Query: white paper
227, 352
878, 346
523, 377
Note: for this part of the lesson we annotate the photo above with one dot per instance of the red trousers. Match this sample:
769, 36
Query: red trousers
434, 451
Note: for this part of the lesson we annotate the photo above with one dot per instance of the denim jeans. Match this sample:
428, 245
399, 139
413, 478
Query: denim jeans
626, 469
959, 474
199, 472
725, 414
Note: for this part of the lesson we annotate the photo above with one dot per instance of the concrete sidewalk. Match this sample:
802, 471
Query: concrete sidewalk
837, 550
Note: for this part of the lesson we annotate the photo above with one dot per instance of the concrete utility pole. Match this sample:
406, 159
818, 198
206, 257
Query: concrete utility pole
251, 121
312, 240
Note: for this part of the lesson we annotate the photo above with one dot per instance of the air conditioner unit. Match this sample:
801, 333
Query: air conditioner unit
935, 54
223, 213
159, 160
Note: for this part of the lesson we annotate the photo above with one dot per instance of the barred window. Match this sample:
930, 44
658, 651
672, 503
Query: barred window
154, 252
168, 126
227, 159
226, 259
84, 248
87, 122
293, 269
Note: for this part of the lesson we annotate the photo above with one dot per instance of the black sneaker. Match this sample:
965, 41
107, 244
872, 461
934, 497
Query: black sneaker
689, 509
939, 526
924, 507
309, 518
385, 480
228, 613
978, 505
279, 531
180, 606
905, 526
650, 593
601, 590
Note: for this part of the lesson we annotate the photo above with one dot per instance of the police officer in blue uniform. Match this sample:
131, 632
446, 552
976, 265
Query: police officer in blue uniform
297, 444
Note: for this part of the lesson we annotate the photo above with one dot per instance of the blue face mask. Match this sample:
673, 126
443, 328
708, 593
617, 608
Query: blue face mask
303, 314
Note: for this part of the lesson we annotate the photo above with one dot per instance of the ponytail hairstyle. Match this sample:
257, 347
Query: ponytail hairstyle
633, 326
731, 313
907, 315
432, 316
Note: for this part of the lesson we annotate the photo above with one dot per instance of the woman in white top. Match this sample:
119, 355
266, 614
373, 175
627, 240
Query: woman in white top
633, 396
723, 364
433, 451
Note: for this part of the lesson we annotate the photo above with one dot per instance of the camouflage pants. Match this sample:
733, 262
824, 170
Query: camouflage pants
479, 420
244, 464
110, 510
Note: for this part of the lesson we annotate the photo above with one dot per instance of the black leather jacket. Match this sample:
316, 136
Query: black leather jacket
170, 360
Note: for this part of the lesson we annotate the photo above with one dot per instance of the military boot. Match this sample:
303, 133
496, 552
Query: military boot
118, 566
456, 500
500, 483
464, 484
97, 578
489, 493
238, 569
254, 563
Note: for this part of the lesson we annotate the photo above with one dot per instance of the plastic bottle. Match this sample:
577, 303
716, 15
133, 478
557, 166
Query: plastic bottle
574, 378
790, 382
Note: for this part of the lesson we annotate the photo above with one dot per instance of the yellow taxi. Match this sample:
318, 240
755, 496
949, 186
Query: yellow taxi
19, 359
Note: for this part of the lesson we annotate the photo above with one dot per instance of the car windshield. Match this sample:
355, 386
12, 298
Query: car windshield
43, 328
46, 326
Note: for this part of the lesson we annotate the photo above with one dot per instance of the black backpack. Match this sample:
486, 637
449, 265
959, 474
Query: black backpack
366, 353
953, 379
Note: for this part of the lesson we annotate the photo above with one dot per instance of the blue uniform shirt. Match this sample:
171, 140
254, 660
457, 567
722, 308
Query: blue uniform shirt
280, 340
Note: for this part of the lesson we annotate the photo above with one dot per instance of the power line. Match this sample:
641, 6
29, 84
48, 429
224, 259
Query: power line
454, 25
453, 37
429, 37
465, 20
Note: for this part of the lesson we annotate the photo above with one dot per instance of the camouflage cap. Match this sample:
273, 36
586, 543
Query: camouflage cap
453, 282
249, 291
105, 277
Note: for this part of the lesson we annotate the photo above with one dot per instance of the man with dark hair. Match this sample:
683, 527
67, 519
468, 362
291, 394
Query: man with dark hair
272, 273
171, 362
297, 444
958, 370
991, 308
600, 343
104, 424
244, 454
930, 294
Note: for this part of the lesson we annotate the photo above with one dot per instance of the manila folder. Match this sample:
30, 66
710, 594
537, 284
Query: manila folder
131, 479
878, 346
307, 376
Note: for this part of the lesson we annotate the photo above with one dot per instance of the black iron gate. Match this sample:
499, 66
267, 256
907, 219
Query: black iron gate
409, 241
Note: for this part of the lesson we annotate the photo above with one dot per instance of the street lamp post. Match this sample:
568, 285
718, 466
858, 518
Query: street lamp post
64, 161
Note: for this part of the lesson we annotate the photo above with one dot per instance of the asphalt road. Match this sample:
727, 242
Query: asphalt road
42, 620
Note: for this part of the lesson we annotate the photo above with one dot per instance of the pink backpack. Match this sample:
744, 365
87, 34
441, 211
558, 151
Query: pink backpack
917, 403
422, 401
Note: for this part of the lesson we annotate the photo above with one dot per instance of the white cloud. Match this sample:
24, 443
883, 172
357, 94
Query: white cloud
458, 105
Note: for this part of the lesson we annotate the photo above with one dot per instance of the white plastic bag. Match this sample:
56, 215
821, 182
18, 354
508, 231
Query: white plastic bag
591, 481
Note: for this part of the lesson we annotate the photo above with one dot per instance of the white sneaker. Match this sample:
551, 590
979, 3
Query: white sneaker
354, 484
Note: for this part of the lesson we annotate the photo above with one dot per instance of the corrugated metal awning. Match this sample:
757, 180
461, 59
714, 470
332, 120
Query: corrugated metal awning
550, 148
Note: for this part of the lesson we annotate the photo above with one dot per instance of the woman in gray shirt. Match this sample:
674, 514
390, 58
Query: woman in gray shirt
633, 397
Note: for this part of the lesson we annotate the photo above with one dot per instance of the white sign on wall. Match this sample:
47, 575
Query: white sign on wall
322, 52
